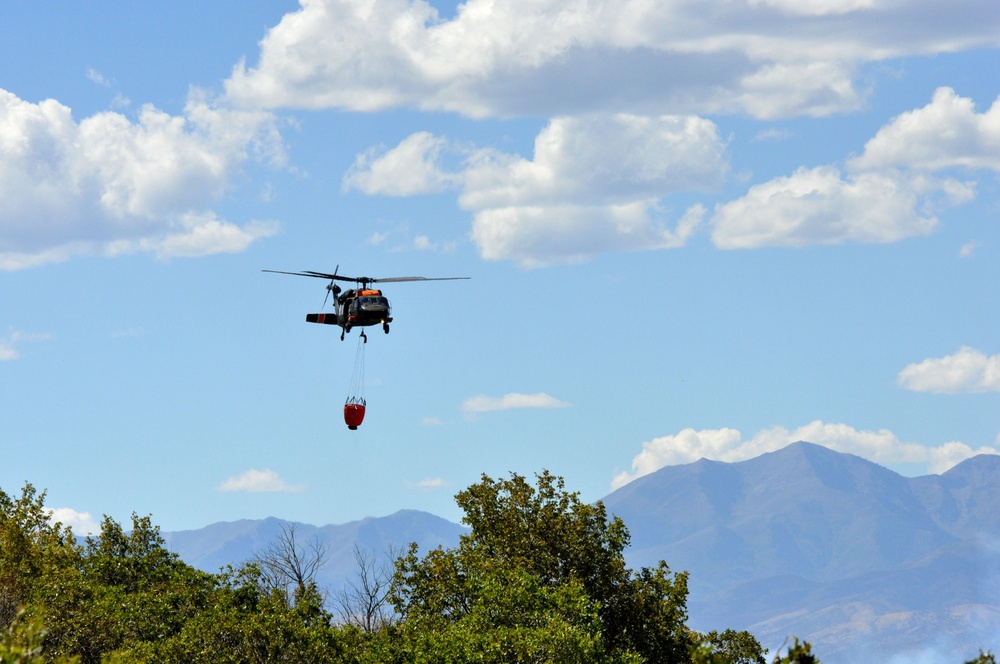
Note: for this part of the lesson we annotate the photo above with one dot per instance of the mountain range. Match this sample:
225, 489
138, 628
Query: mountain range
864, 563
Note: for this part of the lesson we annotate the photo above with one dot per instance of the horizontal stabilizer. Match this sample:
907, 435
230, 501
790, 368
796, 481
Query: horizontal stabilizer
325, 319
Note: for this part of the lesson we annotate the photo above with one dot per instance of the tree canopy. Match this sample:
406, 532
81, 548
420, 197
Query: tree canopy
540, 577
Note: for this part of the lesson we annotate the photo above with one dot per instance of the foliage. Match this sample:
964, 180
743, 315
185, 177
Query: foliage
540, 577
123, 597
540, 570
798, 653
22, 642
240, 623
731, 647
125, 588
31, 549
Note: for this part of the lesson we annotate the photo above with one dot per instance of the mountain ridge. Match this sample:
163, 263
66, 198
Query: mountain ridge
804, 541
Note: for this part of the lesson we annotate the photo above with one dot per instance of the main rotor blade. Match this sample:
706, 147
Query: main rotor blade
362, 280
310, 273
299, 274
396, 279
339, 277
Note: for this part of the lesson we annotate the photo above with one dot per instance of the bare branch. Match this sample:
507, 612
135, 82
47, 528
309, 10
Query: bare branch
288, 566
364, 602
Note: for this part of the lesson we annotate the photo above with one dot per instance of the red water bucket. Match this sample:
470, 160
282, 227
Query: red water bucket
354, 414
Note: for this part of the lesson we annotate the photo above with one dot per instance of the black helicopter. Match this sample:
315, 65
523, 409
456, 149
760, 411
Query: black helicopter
356, 307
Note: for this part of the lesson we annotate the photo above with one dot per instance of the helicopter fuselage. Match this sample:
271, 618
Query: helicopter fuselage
357, 308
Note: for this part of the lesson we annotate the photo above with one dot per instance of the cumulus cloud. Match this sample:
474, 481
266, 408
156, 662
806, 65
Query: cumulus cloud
945, 133
766, 57
110, 185
410, 168
728, 445
82, 523
890, 193
594, 184
602, 183
259, 481
482, 403
968, 370
819, 206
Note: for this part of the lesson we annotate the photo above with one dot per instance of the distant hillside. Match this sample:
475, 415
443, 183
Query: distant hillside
857, 559
219, 544
830, 547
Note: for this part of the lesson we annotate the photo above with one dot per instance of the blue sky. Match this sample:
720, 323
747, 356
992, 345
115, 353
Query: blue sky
692, 230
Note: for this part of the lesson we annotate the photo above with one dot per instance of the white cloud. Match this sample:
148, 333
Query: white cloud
968, 370
410, 168
109, 185
728, 445
816, 7
482, 403
531, 57
82, 523
98, 78
594, 185
9, 344
968, 249
604, 160
789, 89
946, 133
540, 236
818, 206
773, 135
428, 484
259, 481
889, 193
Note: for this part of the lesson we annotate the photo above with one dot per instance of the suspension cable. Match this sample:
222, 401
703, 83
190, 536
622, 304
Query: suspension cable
356, 391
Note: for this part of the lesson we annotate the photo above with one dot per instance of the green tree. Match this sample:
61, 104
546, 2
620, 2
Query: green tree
800, 652
984, 658
22, 642
511, 617
32, 548
126, 588
540, 577
242, 623
730, 647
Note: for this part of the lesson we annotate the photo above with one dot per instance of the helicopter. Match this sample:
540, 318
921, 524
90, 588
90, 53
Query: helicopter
361, 306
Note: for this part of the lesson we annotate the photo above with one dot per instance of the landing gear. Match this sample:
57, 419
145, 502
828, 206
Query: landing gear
385, 328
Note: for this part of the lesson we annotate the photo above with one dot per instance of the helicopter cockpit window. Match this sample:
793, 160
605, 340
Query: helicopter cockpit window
373, 302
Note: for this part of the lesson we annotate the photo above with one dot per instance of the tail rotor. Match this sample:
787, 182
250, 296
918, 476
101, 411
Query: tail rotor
332, 287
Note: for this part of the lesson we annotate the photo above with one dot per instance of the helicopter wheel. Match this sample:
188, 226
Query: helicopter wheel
341, 334
385, 328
